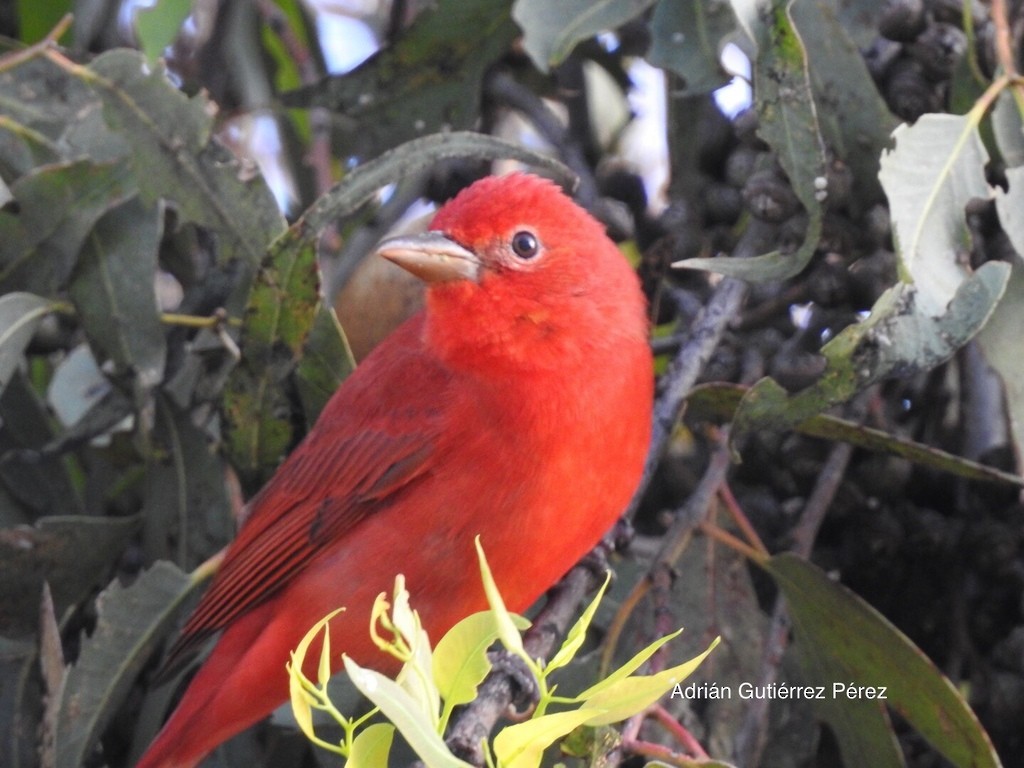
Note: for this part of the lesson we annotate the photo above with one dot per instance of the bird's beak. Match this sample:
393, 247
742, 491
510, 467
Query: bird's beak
432, 257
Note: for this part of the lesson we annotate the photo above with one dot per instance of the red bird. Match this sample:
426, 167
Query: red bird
516, 406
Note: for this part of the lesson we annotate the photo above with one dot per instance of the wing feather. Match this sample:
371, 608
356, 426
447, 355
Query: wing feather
291, 522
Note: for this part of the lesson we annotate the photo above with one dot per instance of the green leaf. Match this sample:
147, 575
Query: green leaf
398, 706
158, 25
1000, 338
507, 630
58, 205
522, 745
20, 316
628, 668
552, 30
73, 553
23, 148
460, 659
429, 81
1008, 128
302, 700
788, 122
20, 701
37, 18
40, 103
719, 401
278, 322
175, 159
855, 122
937, 167
578, 633
371, 746
897, 338
628, 696
39, 479
130, 622
999, 341
326, 362
687, 38
186, 500
848, 643
113, 292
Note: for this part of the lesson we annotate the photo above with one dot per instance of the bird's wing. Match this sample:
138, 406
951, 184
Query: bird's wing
301, 510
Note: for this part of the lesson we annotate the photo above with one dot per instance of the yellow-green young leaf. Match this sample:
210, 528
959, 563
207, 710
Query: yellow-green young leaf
507, 631
578, 633
628, 668
297, 681
295, 675
416, 727
371, 746
323, 672
634, 694
302, 703
522, 745
460, 658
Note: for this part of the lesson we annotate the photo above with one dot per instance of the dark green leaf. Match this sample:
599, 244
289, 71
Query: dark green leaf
855, 122
130, 622
42, 483
687, 38
22, 148
720, 401
38, 96
113, 292
429, 81
175, 159
20, 703
58, 205
788, 122
326, 362
73, 554
847, 642
897, 339
552, 30
185, 495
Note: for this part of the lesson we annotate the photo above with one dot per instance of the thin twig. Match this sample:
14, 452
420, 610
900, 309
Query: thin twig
674, 543
1004, 44
689, 362
740, 518
677, 729
821, 497
16, 58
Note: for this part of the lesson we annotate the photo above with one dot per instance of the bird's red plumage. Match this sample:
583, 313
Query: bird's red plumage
516, 407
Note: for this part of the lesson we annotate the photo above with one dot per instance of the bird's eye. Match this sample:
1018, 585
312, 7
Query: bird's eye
525, 245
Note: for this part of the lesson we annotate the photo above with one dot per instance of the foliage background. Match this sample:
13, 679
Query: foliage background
136, 419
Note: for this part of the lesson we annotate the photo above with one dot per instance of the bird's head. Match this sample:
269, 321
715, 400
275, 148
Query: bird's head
517, 273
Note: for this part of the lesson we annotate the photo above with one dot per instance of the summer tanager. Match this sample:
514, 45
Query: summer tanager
516, 406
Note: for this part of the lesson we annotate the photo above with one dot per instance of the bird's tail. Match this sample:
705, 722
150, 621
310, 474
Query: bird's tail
223, 699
